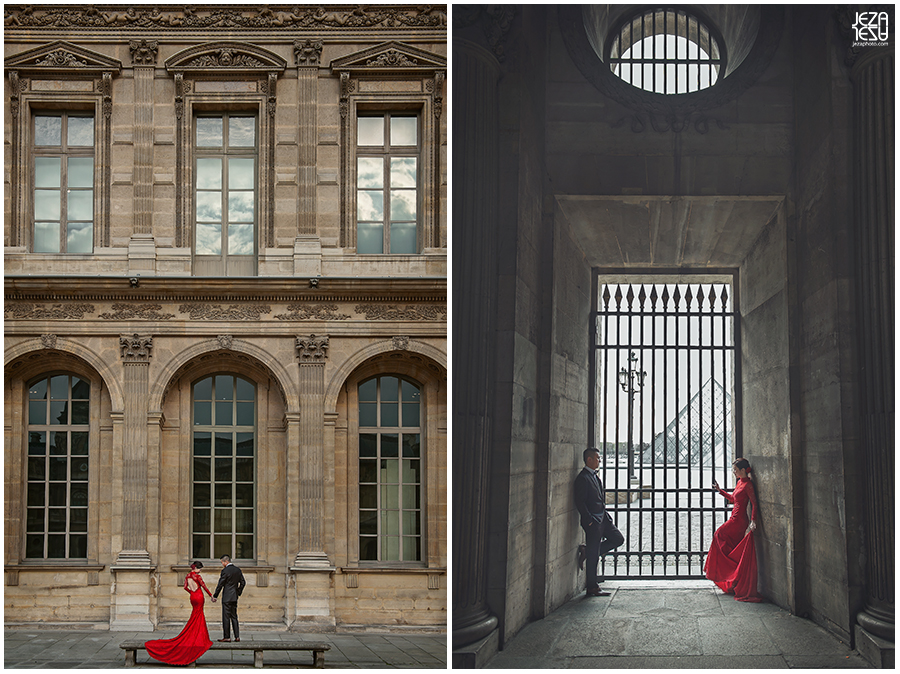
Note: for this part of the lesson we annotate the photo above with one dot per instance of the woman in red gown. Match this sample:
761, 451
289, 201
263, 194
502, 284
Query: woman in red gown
731, 562
194, 638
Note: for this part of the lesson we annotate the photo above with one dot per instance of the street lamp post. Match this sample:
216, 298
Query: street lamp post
631, 381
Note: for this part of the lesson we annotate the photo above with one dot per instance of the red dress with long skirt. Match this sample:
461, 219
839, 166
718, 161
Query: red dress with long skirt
731, 562
194, 638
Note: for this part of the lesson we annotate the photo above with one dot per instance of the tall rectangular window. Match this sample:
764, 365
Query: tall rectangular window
225, 194
390, 470
223, 502
63, 194
387, 183
57, 491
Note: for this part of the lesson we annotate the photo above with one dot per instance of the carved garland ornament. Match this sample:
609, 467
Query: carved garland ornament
312, 348
27, 310
312, 312
394, 312
62, 59
145, 312
218, 312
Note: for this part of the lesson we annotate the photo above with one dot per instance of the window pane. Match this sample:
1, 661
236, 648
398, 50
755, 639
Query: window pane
37, 412
201, 494
46, 237
403, 205
36, 494
412, 548
81, 131
222, 546
390, 522
368, 494
223, 496
368, 471
390, 389
240, 206
35, 520
240, 239
245, 390
37, 468
403, 238
78, 519
241, 131
411, 522
403, 172
244, 444
79, 494
59, 413
243, 495
368, 522
389, 415
224, 444
368, 444
58, 493
369, 238
224, 387
79, 443
411, 471
80, 239
411, 445
58, 468
47, 205
209, 173
58, 446
224, 472
56, 546
203, 389
201, 469
209, 132
243, 547
47, 171
38, 390
367, 390
367, 414
201, 520
411, 496
81, 389
223, 413
368, 548
369, 205
390, 549
240, 173
390, 474
201, 547
369, 172
403, 130
78, 546
203, 414
80, 412
56, 519
245, 414
80, 204
37, 443
390, 446
370, 131
59, 387
209, 206
243, 469
47, 130
222, 521
243, 521
209, 239
410, 414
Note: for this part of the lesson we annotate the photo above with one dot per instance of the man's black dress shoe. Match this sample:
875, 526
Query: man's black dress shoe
237, 640
597, 592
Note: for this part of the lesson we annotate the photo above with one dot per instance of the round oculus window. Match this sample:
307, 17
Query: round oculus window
666, 51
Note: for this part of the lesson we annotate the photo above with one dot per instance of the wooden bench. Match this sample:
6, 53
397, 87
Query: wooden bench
318, 649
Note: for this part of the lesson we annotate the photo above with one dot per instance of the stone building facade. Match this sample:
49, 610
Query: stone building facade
225, 310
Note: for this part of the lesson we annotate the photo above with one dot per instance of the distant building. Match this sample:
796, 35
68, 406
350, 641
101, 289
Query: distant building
225, 258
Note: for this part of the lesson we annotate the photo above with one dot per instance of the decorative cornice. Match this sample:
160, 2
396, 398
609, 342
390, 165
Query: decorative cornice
312, 349
395, 312
136, 348
237, 57
61, 58
307, 53
390, 58
312, 312
128, 312
143, 52
327, 17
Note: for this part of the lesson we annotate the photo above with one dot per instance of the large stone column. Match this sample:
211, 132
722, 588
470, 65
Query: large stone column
141, 247
311, 567
873, 167
307, 246
475, 211
130, 609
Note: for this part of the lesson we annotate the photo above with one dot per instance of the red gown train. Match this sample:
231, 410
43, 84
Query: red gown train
194, 638
731, 562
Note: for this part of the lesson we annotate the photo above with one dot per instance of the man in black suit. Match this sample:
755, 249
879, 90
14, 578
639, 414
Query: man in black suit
231, 584
600, 531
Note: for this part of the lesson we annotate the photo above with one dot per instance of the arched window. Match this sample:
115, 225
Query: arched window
57, 492
666, 51
224, 442
390, 470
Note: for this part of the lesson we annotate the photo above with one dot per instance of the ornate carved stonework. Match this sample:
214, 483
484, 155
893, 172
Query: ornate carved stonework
143, 312
411, 312
391, 17
307, 52
48, 341
401, 343
230, 55
143, 52
226, 58
27, 310
312, 312
225, 341
218, 312
61, 59
312, 348
136, 348
392, 58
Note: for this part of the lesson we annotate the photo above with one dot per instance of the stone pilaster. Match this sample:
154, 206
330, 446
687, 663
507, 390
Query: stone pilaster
873, 82
307, 246
475, 189
141, 248
131, 597
311, 567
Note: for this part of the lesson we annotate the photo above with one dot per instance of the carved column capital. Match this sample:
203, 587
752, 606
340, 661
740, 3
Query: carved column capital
312, 349
143, 52
307, 52
136, 348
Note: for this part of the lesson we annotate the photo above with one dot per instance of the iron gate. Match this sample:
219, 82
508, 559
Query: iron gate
664, 417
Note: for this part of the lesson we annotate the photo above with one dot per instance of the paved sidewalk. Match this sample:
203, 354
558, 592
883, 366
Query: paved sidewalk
675, 625
47, 648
